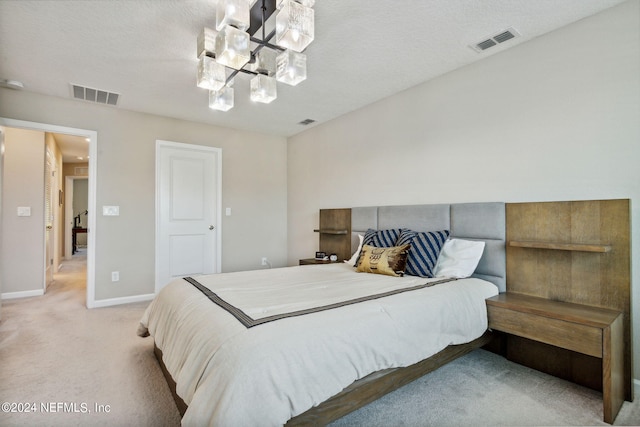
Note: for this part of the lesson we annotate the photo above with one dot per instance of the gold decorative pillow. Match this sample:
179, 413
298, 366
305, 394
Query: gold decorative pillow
390, 261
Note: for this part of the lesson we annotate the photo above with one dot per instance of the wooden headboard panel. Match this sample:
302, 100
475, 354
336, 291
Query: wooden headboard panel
575, 251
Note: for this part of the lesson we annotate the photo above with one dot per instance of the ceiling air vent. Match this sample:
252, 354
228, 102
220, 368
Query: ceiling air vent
495, 39
306, 122
94, 95
486, 44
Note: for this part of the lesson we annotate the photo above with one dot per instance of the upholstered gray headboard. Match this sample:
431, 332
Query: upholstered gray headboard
472, 221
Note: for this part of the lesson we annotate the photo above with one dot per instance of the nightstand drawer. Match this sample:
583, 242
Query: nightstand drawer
573, 336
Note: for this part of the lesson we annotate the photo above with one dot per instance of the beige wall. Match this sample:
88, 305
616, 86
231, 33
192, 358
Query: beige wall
23, 186
253, 185
69, 169
556, 118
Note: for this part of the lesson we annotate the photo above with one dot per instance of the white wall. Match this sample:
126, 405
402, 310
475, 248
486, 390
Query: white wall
23, 236
556, 118
253, 185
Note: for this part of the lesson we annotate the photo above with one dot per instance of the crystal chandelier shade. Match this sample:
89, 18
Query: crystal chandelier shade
206, 41
221, 100
211, 75
263, 89
291, 67
234, 13
234, 46
294, 26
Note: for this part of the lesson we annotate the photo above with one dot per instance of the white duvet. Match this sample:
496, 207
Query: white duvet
230, 375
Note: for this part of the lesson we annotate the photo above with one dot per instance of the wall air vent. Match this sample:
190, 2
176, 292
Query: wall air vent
494, 40
306, 122
94, 95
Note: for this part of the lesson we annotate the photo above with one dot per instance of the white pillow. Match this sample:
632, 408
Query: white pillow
354, 258
458, 258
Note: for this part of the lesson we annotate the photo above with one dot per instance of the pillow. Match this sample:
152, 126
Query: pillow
380, 238
352, 261
425, 248
390, 261
459, 258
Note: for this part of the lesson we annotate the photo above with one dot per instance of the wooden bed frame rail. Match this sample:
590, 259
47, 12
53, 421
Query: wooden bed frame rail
361, 392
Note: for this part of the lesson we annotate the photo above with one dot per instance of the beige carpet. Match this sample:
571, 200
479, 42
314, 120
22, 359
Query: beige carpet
54, 352
52, 349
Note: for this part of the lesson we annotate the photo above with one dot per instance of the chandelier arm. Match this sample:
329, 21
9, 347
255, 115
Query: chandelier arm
242, 70
269, 36
264, 11
263, 43
231, 76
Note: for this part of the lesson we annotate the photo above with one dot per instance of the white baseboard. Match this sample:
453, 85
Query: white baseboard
22, 294
123, 300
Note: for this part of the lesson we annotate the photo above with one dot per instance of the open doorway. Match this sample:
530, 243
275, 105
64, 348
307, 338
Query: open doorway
91, 140
76, 203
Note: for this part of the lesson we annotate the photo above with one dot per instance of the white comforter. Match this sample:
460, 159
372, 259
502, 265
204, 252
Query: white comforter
230, 375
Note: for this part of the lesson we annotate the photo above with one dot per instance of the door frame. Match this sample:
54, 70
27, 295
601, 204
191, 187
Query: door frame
93, 162
218, 244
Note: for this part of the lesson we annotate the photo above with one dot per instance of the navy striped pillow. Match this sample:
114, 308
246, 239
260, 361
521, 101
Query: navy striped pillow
380, 239
425, 248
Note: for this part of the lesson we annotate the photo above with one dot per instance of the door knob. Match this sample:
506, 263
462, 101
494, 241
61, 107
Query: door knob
211, 227
49, 227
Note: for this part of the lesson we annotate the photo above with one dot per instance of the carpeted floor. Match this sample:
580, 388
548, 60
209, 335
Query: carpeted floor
53, 350
87, 367
484, 389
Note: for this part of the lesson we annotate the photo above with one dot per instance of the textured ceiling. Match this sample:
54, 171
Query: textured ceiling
364, 50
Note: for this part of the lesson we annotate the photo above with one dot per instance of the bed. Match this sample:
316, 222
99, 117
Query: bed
308, 344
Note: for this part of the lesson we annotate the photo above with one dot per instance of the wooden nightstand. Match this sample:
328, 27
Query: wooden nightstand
311, 261
584, 329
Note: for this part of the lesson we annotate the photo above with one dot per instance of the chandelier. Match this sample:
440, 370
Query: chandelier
240, 44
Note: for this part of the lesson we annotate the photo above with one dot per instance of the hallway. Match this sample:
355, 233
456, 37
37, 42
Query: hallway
70, 282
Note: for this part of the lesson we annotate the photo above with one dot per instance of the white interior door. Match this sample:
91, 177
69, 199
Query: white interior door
188, 195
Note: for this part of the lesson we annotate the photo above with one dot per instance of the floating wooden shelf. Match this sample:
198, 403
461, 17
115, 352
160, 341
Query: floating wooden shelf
328, 231
334, 232
561, 246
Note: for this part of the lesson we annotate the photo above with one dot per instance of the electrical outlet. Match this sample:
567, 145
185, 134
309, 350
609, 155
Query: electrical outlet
111, 210
264, 260
115, 276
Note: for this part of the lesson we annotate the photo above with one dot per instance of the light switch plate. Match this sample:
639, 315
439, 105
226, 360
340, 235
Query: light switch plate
24, 210
111, 210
